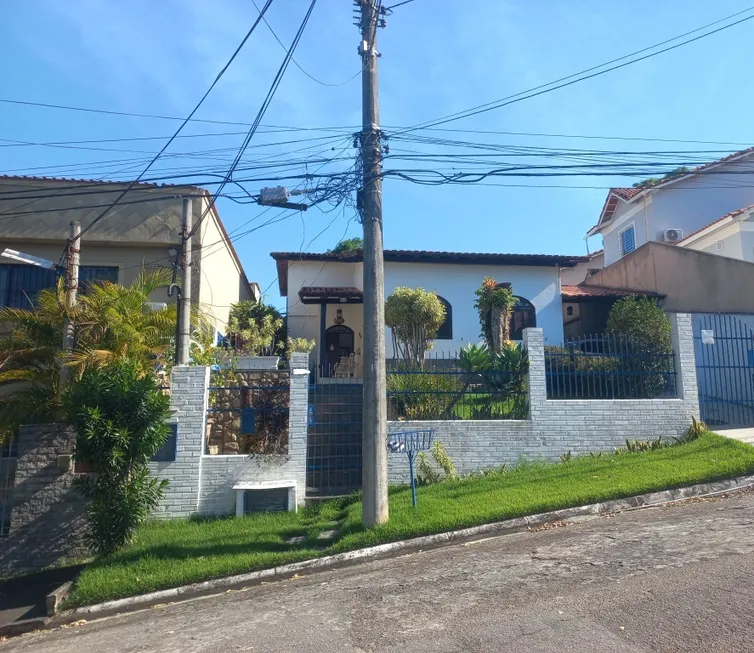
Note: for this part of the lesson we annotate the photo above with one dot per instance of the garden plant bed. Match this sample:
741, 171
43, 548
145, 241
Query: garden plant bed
177, 552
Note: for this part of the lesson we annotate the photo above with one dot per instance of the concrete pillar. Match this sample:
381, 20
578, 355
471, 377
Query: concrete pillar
534, 344
682, 337
297, 421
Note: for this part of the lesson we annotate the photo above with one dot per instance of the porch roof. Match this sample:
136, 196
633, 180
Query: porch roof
330, 295
588, 293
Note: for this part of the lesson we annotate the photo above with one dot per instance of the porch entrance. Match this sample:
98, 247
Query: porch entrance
724, 348
339, 342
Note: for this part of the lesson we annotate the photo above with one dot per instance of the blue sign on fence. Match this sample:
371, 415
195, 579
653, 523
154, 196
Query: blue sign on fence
248, 421
311, 415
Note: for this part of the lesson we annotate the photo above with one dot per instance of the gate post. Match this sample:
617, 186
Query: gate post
682, 337
297, 420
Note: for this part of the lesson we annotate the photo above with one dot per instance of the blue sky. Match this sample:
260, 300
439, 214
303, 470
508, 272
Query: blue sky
439, 56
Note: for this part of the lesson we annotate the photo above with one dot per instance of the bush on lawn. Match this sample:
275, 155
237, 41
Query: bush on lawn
119, 415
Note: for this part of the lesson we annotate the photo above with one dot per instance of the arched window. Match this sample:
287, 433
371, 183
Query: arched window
523, 315
445, 332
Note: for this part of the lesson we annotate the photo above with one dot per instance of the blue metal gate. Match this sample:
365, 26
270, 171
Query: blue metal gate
724, 348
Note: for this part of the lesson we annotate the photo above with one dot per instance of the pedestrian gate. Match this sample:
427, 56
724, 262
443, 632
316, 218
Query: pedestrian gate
724, 348
333, 457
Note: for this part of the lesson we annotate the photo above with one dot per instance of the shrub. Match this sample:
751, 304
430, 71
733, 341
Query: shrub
414, 316
422, 395
347, 246
426, 474
646, 329
119, 416
255, 328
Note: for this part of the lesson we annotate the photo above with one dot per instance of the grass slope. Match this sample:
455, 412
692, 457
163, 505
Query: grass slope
170, 553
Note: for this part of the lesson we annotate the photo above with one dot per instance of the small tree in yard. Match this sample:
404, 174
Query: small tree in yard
494, 302
119, 416
646, 330
642, 321
414, 315
256, 328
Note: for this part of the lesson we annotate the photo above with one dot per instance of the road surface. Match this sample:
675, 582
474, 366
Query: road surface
673, 579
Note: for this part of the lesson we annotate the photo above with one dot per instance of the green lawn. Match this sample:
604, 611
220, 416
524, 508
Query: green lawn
171, 553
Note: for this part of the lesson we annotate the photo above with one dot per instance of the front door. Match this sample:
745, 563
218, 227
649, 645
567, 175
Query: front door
339, 343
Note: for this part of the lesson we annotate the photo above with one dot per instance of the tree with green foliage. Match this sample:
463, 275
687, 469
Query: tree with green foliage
414, 316
347, 246
642, 321
110, 323
256, 329
646, 332
653, 181
494, 303
119, 414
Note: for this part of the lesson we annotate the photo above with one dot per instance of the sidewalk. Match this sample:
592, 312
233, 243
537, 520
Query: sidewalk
745, 434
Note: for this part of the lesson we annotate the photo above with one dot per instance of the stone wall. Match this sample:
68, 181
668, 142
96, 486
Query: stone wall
48, 517
558, 426
203, 484
267, 392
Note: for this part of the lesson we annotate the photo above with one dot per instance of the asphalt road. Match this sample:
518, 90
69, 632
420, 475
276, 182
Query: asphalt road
673, 579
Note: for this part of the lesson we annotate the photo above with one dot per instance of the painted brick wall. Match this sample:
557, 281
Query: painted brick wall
203, 484
558, 426
188, 402
48, 517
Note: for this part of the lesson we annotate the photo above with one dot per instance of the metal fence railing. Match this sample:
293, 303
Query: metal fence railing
443, 390
609, 366
248, 413
8, 459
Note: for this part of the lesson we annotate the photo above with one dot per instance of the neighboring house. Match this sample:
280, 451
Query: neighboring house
142, 231
701, 209
574, 276
324, 295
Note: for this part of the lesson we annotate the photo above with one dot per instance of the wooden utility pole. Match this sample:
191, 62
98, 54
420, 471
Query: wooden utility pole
374, 442
71, 282
184, 299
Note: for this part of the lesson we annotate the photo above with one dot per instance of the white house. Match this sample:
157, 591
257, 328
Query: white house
324, 295
708, 209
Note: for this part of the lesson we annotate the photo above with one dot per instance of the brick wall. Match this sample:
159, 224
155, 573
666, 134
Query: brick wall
48, 517
558, 426
203, 484
188, 403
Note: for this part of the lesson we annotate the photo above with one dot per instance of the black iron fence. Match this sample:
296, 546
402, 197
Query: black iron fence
446, 388
248, 413
609, 366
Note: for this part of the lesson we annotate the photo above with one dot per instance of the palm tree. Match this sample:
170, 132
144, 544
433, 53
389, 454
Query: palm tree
110, 322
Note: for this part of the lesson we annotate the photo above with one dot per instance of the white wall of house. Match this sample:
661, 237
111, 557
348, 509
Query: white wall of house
455, 283
222, 281
734, 240
688, 205
574, 276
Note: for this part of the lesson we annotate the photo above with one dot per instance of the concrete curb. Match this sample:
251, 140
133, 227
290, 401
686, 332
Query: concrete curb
219, 585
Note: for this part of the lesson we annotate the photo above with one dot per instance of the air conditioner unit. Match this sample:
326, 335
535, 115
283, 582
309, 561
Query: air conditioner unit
672, 235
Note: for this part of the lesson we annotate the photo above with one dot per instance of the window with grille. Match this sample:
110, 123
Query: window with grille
627, 239
523, 316
20, 284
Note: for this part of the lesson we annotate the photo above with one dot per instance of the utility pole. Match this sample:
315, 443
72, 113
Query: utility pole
374, 442
71, 282
184, 298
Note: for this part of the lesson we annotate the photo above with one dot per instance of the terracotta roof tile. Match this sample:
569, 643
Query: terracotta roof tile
626, 193
596, 292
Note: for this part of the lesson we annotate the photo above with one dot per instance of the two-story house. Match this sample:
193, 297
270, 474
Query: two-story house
142, 230
324, 295
706, 209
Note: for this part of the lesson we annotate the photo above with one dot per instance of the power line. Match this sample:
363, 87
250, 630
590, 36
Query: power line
296, 63
399, 4
262, 110
582, 76
185, 122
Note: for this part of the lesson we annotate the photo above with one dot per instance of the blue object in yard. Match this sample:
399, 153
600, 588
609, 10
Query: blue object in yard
410, 443
248, 421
